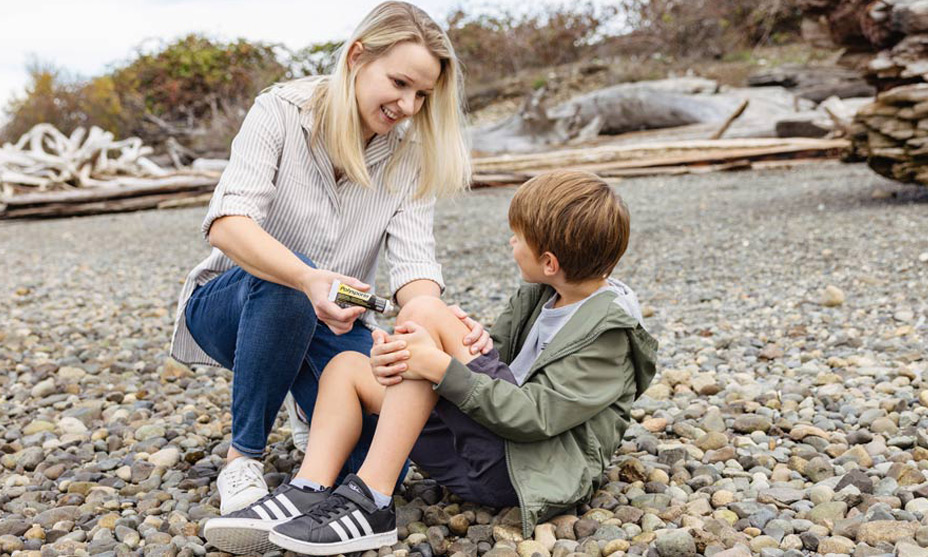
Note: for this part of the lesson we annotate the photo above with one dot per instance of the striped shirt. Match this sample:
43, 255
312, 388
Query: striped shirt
288, 187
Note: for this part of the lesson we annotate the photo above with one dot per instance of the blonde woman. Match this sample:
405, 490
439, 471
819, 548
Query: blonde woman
323, 174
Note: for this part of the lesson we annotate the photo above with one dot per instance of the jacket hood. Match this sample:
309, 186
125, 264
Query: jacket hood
609, 309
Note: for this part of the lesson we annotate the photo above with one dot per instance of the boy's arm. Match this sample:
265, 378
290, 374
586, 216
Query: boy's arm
596, 377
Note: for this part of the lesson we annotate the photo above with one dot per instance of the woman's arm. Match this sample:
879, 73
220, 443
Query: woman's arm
261, 255
419, 287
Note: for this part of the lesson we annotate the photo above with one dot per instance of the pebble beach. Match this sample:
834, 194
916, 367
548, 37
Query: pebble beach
789, 415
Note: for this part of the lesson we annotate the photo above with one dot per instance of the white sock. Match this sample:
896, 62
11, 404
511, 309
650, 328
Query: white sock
306, 484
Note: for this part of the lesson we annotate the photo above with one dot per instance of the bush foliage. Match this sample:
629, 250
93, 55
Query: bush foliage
197, 90
700, 28
502, 43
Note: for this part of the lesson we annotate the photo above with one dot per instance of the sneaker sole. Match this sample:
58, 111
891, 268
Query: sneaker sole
364, 543
240, 535
238, 502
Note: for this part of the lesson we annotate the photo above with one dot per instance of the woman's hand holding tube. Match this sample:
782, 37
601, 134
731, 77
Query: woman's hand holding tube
317, 285
261, 255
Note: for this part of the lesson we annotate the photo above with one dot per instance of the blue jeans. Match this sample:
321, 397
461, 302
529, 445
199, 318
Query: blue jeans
270, 338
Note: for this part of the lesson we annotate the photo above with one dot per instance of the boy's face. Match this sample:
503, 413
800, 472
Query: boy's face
530, 265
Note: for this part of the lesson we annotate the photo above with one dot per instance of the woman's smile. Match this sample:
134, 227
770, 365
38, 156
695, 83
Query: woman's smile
390, 116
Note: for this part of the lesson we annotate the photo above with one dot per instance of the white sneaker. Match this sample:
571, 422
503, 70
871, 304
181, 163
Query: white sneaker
240, 483
299, 425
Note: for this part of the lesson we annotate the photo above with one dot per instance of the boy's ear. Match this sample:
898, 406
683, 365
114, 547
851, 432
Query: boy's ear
550, 264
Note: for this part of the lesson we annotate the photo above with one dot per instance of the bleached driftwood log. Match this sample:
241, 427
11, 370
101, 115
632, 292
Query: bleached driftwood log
646, 105
47, 173
815, 83
44, 158
671, 157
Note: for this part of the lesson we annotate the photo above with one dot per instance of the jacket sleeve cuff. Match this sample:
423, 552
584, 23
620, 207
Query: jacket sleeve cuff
457, 384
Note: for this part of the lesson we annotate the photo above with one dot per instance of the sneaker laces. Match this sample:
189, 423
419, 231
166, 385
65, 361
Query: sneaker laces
330, 508
249, 474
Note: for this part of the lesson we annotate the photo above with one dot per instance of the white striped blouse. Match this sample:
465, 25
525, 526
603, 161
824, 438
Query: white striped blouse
288, 187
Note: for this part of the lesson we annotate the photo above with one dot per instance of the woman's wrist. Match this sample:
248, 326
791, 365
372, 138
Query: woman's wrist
306, 277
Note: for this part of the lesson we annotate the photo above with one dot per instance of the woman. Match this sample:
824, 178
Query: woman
322, 175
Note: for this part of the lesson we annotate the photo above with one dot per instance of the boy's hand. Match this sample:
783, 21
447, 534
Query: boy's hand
388, 358
478, 338
426, 360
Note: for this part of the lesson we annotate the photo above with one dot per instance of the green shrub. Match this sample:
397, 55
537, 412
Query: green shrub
494, 45
50, 97
716, 28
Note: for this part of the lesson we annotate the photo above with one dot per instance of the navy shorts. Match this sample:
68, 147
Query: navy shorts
461, 454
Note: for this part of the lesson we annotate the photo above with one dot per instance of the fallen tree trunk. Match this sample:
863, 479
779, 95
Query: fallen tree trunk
656, 154
132, 187
96, 207
639, 106
137, 193
670, 158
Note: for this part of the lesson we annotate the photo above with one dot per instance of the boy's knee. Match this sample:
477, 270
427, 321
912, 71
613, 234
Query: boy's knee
421, 308
345, 365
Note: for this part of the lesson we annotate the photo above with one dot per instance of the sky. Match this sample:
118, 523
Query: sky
85, 37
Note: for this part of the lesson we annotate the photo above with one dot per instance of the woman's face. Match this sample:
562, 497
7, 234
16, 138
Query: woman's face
393, 87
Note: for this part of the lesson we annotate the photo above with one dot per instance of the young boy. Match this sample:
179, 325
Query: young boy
533, 423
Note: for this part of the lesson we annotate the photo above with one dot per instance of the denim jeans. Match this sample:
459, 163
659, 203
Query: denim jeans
270, 338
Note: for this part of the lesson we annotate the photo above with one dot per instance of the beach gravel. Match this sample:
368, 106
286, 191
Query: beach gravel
789, 414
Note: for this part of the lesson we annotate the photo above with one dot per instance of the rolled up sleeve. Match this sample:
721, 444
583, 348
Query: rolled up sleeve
246, 187
410, 244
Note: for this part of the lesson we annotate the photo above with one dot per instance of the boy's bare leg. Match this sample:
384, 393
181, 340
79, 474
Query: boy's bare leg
405, 408
347, 387
446, 329
337, 419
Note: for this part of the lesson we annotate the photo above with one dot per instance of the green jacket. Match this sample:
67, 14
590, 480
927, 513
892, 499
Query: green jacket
564, 423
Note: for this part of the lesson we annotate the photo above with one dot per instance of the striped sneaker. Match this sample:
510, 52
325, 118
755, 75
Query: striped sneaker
347, 521
245, 531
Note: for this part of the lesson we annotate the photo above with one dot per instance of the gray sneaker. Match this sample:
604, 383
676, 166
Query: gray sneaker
246, 531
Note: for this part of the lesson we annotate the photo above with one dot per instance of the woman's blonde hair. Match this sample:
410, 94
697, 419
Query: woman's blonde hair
436, 130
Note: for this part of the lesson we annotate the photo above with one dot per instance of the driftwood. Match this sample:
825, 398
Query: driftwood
815, 83
903, 64
133, 195
44, 158
891, 134
728, 121
632, 107
656, 158
48, 174
494, 180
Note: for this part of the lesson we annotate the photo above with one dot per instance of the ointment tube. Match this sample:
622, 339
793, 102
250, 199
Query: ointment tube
344, 295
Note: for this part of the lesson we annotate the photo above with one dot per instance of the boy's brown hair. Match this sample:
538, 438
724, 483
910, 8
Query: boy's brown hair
577, 217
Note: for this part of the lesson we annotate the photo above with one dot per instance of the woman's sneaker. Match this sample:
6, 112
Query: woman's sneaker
240, 483
245, 531
347, 521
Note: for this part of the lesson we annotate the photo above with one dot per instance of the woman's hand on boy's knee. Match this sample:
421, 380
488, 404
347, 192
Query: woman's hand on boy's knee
478, 338
388, 358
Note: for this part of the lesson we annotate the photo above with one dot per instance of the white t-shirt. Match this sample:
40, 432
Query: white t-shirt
551, 319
